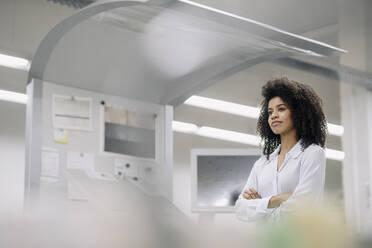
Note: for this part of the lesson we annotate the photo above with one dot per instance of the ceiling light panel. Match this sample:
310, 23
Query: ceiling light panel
13, 97
14, 62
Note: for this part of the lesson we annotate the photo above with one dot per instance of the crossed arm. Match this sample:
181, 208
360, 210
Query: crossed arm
274, 201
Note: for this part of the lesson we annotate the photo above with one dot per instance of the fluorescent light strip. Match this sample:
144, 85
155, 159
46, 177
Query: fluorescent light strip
238, 137
242, 110
335, 154
14, 62
184, 127
334, 129
223, 106
228, 135
13, 96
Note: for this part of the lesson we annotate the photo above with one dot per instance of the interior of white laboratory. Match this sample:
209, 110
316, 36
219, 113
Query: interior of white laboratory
133, 123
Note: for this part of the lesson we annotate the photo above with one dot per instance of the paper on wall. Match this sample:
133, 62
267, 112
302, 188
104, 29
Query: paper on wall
49, 162
72, 112
61, 135
80, 161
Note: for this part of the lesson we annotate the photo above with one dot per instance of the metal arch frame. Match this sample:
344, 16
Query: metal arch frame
49, 42
47, 45
35, 86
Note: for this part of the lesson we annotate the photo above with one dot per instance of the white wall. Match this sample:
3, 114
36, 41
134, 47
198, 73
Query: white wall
12, 157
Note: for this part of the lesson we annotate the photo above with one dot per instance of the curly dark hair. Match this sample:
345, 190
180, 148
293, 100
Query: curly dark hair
309, 120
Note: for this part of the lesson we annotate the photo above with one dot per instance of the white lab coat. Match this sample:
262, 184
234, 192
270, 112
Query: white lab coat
302, 174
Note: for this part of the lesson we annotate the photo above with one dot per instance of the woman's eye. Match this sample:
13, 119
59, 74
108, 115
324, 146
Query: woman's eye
281, 109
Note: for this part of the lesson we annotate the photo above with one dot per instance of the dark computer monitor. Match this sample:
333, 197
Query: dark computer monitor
218, 177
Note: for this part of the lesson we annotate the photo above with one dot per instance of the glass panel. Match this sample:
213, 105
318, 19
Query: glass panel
130, 133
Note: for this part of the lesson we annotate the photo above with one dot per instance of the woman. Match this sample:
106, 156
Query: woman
293, 128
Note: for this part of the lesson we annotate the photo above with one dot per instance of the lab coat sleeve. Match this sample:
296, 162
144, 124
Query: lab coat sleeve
255, 209
311, 181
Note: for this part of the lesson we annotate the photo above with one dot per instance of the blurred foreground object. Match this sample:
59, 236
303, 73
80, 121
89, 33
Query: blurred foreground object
320, 227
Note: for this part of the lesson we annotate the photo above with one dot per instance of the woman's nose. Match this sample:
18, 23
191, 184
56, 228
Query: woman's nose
274, 117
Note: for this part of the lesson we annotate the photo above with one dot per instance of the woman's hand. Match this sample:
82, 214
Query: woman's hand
251, 194
275, 201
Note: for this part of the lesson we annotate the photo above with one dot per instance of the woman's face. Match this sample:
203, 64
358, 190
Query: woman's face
280, 116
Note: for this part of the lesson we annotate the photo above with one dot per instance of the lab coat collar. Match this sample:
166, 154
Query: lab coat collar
293, 153
275, 153
296, 150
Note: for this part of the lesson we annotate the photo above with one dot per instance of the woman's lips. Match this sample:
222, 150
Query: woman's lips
276, 123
